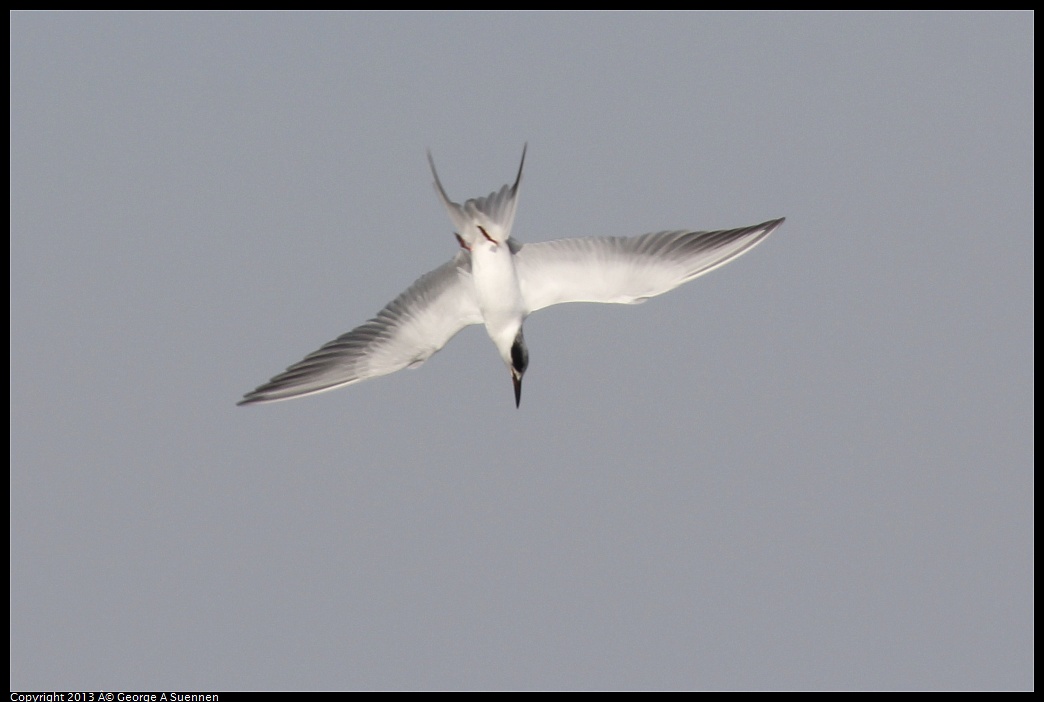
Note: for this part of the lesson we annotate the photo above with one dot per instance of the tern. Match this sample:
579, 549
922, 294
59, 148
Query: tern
497, 281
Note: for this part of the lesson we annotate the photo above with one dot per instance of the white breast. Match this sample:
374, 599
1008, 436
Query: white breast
497, 289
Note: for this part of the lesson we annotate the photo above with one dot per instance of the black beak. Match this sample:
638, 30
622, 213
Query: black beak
517, 380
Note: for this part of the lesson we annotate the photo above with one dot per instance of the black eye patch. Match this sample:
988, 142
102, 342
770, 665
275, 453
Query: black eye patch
519, 357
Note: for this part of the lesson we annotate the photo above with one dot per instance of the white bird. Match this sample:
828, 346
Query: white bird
496, 281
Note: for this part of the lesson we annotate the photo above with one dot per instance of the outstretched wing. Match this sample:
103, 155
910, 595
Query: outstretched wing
626, 270
406, 332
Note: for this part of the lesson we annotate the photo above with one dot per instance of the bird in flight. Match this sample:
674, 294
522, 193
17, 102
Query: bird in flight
496, 281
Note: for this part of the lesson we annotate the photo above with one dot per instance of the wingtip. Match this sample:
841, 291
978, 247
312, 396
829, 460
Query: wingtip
771, 225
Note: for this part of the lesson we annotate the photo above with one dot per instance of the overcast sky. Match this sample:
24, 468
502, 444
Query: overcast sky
811, 468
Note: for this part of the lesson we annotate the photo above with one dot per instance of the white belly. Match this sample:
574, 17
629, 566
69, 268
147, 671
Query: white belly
497, 289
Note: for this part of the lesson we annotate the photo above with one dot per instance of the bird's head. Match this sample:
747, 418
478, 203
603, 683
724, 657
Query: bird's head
517, 364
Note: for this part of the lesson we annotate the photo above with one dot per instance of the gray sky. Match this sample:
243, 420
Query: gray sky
811, 468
